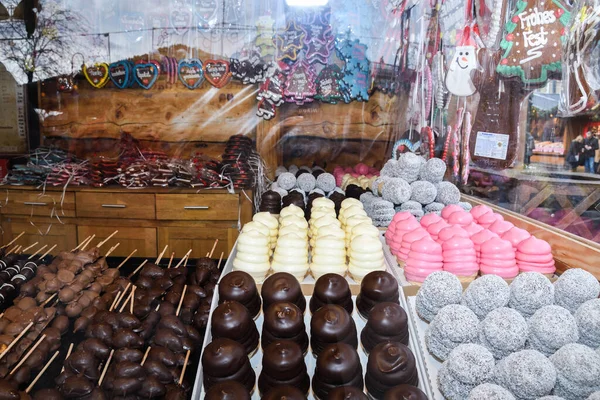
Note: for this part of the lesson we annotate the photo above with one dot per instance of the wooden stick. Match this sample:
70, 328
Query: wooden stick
105, 367
185, 262
220, 259
15, 340
35, 346
48, 300
68, 354
37, 252
121, 296
161, 255
213, 248
81, 244
14, 240
183, 259
132, 299
111, 250
128, 257
14, 250
187, 358
28, 247
145, 355
181, 300
207, 254
115, 301
138, 268
1, 315
41, 372
171, 260
88, 242
128, 298
107, 239
47, 252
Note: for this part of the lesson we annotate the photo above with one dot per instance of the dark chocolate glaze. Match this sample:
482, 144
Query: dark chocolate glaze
284, 393
331, 289
376, 287
337, 365
387, 322
346, 393
228, 390
232, 320
224, 359
284, 320
239, 286
390, 364
282, 286
331, 324
405, 392
283, 364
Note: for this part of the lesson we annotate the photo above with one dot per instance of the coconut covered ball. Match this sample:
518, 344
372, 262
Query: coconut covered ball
389, 168
433, 170
587, 317
550, 328
306, 182
578, 371
411, 205
293, 169
279, 190
465, 206
409, 166
486, 294
551, 398
575, 287
280, 170
367, 200
382, 212
489, 391
396, 190
594, 396
423, 192
467, 366
502, 332
437, 291
286, 181
452, 326
447, 193
527, 374
434, 208
529, 292
326, 182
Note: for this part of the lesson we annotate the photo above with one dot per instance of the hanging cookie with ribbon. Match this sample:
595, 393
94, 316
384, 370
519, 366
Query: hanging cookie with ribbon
217, 72
145, 74
264, 36
191, 73
319, 38
96, 75
300, 85
119, 73
289, 42
329, 89
464, 61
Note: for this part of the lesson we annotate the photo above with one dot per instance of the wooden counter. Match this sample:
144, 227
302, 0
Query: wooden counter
147, 219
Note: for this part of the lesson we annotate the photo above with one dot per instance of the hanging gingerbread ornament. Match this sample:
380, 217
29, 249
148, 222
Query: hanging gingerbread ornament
319, 39
458, 79
532, 41
289, 42
300, 85
97, 74
329, 89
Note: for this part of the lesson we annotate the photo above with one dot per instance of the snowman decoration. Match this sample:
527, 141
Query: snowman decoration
458, 78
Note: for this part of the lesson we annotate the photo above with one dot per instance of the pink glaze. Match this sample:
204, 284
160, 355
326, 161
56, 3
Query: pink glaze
497, 256
498, 263
408, 240
460, 256
402, 216
361, 168
515, 235
373, 171
495, 246
478, 211
427, 257
458, 253
473, 228
461, 218
452, 208
486, 219
533, 245
416, 269
537, 268
461, 268
348, 170
434, 229
482, 237
500, 227
450, 232
534, 258
504, 273
430, 219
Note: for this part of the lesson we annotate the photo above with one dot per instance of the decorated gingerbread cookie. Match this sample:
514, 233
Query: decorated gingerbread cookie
532, 41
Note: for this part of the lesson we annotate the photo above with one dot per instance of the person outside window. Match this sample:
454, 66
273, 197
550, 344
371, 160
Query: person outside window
575, 153
589, 153
529, 146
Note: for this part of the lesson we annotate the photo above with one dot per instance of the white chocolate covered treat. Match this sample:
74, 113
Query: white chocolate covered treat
253, 254
350, 212
328, 230
364, 228
291, 210
352, 222
291, 255
365, 255
328, 256
329, 220
323, 202
300, 222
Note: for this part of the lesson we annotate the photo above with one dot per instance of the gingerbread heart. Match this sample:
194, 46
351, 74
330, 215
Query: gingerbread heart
97, 75
119, 73
217, 72
145, 75
181, 20
190, 73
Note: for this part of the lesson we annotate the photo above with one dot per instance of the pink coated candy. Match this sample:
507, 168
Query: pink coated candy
448, 210
479, 210
373, 171
483, 236
498, 263
496, 245
426, 245
462, 268
486, 220
338, 169
461, 218
534, 245
459, 253
473, 228
411, 262
402, 216
504, 273
348, 170
515, 235
500, 227
425, 257
452, 231
361, 169
434, 229
548, 268
430, 219
458, 243
534, 258
355, 174
499, 256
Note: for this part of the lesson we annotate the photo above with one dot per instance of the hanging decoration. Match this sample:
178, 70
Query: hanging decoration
191, 73
97, 74
249, 68
145, 74
217, 72
357, 68
181, 19
319, 38
532, 42
205, 12
490, 14
171, 67
300, 85
264, 36
120, 73
458, 79
329, 85
289, 42
65, 84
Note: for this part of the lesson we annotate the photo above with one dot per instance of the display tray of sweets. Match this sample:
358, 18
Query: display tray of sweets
306, 289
